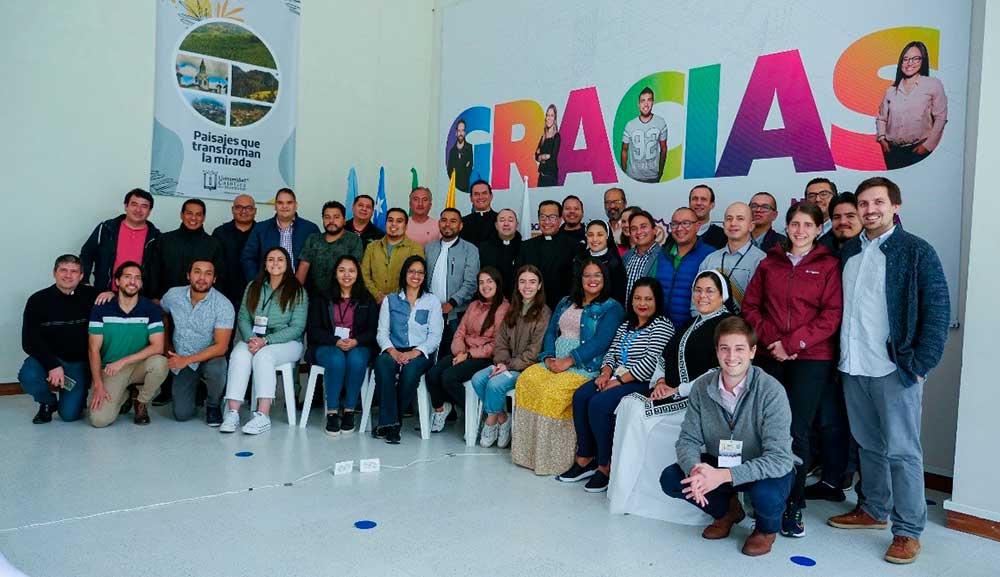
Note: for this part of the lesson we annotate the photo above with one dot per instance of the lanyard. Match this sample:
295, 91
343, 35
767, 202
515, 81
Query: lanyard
267, 301
627, 343
338, 311
723, 267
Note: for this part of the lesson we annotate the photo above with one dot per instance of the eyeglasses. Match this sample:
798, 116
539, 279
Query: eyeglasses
913, 59
820, 194
682, 224
244, 207
415, 272
548, 217
764, 207
613, 202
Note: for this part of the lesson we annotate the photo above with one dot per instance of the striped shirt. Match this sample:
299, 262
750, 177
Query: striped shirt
639, 350
637, 265
285, 241
125, 333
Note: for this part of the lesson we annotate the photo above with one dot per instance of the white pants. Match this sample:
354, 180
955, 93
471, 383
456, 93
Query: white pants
263, 364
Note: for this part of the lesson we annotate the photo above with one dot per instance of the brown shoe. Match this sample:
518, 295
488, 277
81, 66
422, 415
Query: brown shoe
141, 413
720, 528
856, 519
904, 550
758, 543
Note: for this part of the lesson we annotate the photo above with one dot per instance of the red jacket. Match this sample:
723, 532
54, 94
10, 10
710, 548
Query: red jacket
801, 306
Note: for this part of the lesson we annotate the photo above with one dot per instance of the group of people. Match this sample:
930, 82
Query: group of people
597, 330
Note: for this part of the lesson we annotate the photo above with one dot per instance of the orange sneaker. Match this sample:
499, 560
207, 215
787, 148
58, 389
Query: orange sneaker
856, 519
903, 551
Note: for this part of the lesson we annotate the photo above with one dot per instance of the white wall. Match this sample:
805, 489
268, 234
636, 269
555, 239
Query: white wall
77, 115
976, 466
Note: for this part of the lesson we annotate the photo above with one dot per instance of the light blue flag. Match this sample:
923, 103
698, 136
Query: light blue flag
352, 192
381, 205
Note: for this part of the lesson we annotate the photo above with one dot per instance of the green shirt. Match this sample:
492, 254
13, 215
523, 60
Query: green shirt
125, 333
322, 255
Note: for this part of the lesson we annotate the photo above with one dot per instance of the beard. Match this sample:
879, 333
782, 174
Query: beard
333, 229
128, 291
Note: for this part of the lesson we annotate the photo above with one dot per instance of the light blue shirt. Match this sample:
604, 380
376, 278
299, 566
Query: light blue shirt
194, 326
401, 326
864, 332
739, 266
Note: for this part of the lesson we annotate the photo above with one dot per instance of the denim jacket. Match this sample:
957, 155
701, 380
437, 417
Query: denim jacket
597, 329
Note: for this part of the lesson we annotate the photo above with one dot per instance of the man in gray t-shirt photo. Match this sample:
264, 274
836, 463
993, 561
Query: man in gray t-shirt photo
644, 142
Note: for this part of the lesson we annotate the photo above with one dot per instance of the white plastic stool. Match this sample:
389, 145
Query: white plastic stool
287, 371
474, 411
423, 405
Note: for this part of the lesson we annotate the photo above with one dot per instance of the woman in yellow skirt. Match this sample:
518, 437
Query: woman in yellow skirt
579, 333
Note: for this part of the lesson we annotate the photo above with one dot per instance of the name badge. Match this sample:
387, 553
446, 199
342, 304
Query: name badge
342, 332
260, 325
730, 453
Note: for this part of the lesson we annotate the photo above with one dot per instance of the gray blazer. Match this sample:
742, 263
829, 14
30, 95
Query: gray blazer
463, 270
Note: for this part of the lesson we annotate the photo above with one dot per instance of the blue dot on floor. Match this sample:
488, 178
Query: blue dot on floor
931, 502
244, 454
365, 524
804, 561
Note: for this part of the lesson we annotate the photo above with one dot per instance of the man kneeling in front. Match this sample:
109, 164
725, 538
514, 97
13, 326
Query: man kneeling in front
740, 414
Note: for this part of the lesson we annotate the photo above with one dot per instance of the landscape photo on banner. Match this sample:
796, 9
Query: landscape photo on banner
763, 97
225, 93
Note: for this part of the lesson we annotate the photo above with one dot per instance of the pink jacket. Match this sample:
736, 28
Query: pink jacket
467, 338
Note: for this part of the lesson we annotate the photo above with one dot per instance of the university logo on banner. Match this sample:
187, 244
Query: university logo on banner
226, 83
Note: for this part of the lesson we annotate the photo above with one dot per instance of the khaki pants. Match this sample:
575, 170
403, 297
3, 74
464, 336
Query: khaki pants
150, 373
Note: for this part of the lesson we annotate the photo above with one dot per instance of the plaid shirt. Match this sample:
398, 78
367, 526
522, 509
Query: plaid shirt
285, 241
637, 265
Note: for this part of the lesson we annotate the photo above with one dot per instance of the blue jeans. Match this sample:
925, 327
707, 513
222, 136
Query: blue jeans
493, 391
343, 371
32, 377
396, 384
768, 496
594, 418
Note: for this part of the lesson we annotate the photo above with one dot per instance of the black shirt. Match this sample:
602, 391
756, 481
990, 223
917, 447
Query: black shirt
714, 236
170, 257
548, 146
479, 227
502, 257
232, 240
370, 233
460, 161
579, 234
554, 257
54, 327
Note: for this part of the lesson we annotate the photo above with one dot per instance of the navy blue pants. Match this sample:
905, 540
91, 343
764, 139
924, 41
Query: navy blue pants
768, 496
594, 418
397, 384
32, 378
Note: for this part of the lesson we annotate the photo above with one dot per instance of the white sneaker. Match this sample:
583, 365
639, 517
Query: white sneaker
438, 419
260, 423
230, 420
503, 436
488, 436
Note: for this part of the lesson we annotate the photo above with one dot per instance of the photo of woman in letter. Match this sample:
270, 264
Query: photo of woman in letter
913, 112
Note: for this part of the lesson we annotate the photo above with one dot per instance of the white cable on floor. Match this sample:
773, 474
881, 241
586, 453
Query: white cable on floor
227, 493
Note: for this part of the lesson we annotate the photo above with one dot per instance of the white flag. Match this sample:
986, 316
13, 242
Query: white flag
525, 213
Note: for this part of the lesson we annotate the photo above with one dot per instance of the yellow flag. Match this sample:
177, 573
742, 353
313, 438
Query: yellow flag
450, 202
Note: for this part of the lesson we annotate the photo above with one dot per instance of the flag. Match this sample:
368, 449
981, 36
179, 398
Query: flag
378, 218
352, 192
450, 202
414, 181
526, 213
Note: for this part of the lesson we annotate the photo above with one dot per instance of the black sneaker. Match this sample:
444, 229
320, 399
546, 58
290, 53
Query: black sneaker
380, 430
347, 422
598, 483
44, 414
392, 435
791, 523
824, 491
213, 416
333, 424
577, 473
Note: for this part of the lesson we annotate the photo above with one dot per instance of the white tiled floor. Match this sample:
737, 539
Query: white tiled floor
463, 515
